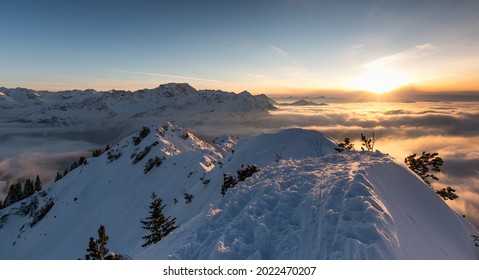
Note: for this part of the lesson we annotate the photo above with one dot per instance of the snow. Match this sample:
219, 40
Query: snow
306, 202
6, 102
325, 208
67, 108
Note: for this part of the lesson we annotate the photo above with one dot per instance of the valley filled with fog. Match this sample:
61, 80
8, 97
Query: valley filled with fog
401, 129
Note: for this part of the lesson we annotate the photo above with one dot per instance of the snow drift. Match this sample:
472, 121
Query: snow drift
306, 202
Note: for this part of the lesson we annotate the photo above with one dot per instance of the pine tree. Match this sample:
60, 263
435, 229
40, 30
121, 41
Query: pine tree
18, 191
14, 194
74, 165
425, 165
447, 193
9, 198
158, 225
82, 161
58, 177
1, 204
346, 144
65, 172
97, 153
28, 188
38, 184
97, 247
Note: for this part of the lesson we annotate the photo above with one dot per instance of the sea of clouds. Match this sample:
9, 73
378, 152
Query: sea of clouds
401, 129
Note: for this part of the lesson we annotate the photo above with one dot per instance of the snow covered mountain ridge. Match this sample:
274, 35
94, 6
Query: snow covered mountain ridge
75, 106
306, 201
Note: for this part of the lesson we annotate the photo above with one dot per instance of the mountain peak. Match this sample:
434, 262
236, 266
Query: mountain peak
245, 93
177, 88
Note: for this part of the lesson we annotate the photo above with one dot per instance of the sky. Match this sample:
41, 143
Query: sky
262, 46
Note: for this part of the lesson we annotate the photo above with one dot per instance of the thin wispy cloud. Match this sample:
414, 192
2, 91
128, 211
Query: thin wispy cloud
358, 46
425, 47
352, 51
256, 76
355, 49
399, 57
278, 51
170, 76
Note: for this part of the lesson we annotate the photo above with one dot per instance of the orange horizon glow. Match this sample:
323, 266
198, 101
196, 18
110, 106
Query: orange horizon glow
374, 82
381, 81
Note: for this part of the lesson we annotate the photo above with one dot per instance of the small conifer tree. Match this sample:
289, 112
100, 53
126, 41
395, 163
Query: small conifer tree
14, 194
96, 153
82, 161
8, 198
28, 188
447, 193
18, 191
58, 177
425, 165
157, 224
38, 184
74, 165
345, 145
97, 247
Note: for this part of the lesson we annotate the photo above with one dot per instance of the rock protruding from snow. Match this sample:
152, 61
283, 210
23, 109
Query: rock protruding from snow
225, 143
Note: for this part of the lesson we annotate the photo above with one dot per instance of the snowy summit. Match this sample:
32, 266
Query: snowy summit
286, 195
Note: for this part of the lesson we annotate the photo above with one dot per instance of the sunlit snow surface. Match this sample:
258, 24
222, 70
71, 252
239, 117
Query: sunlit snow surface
354, 206
306, 202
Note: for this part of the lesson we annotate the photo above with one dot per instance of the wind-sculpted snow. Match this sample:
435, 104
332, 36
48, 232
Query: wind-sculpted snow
316, 208
324, 208
306, 202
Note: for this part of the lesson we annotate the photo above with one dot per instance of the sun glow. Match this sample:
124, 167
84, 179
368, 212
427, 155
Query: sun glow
381, 81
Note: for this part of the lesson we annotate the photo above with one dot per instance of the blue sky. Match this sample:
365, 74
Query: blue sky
262, 46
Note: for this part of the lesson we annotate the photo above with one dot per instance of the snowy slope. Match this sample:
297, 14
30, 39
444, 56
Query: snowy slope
6, 102
306, 202
334, 207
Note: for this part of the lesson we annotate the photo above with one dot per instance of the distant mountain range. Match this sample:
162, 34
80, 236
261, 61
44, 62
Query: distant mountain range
65, 108
303, 102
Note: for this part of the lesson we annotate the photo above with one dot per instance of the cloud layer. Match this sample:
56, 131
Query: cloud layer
451, 129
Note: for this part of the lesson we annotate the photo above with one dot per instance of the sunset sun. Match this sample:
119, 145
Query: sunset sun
381, 81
